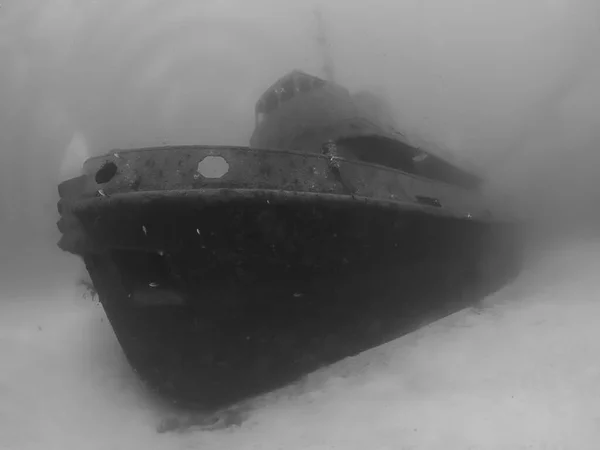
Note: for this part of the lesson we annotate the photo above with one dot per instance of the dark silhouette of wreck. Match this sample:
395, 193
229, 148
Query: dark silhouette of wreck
229, 271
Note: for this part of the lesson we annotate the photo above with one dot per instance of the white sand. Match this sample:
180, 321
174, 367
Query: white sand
521, 374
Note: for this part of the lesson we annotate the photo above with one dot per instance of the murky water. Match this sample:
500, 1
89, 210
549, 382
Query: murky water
521, 373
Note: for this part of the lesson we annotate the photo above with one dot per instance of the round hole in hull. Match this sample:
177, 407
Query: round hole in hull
106, 172
213, 167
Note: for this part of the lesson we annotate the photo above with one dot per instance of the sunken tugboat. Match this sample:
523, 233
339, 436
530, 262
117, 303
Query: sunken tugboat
226, 272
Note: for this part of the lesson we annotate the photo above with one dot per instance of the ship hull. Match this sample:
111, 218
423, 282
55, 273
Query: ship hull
220, 294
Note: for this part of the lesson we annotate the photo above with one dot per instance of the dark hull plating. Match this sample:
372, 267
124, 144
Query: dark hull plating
220, 294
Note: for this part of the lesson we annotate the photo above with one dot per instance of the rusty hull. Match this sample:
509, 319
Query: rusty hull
222, 283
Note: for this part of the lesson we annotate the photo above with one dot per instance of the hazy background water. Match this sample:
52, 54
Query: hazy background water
510, 87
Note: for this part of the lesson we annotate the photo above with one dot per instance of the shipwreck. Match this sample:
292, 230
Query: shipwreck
226, 272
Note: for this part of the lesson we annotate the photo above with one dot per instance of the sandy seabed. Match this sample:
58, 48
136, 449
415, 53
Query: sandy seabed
521, 373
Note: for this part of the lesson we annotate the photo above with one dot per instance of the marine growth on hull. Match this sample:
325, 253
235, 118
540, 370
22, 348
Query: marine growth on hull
227, 272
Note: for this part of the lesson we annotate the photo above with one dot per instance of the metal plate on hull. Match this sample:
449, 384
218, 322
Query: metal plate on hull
181, 168
254, 300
